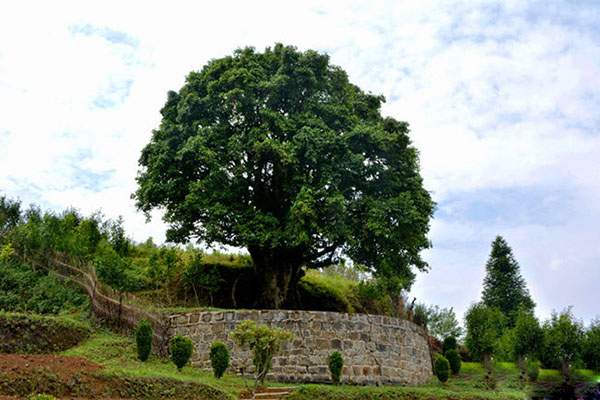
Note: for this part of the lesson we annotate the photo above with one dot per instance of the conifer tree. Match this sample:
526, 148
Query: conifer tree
504, 288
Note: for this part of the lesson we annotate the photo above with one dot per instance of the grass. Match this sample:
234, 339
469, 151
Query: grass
118, 356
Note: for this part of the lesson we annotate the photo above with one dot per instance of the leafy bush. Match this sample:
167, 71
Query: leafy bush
450, 343
442, 368
421, 316
533, 370
181, 351
336, 363
454, 360
373, 299
219, 358
143, 339
41, 397
24, 290
591, 346
264, 342
325, 293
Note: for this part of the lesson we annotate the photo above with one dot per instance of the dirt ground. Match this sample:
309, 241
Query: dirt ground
76, 378
62, 366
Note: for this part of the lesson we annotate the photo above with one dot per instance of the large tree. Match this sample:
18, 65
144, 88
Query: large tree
279, 153
503, 287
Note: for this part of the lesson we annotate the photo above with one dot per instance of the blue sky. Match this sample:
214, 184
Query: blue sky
502, 99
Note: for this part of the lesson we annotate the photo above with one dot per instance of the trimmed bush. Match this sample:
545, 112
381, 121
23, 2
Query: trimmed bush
336, 363
454, 360
219, 358
449, 344
181, 351
143, 339
533, 370
442, 368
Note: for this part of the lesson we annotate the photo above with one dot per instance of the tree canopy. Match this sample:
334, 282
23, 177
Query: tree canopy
279, 153
504, 287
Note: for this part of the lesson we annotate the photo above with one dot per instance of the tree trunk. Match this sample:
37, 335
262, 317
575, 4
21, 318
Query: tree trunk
565, 369
277, 273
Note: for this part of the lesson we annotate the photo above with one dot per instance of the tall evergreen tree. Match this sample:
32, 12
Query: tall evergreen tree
504, 288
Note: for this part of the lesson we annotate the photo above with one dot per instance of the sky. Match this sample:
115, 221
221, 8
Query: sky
503, 101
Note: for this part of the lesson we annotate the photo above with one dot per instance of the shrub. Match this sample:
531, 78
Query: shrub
325, 293
421, 317
449, 344
264, 342
41, 397
442, 368
336, 363
533, 370
143, 339
181, 351
454, 360
219, 358
591, 347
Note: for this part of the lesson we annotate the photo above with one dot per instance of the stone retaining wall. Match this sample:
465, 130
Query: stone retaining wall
376, 349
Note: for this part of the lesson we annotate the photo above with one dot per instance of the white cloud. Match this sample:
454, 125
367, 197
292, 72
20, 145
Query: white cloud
498, 96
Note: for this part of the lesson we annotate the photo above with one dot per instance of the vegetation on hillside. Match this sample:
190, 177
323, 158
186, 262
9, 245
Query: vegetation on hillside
162, 276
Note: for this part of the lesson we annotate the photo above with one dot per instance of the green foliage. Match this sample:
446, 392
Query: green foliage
264, 342
533, 370
181, 351
26, 333
10, 216
528, 335
326, 293
449, 343
24, 290
503, 287
442, 323
279, 153
203, 277
336, 364
374, 299
442, 368
421, 316
454, 361
563, 341
110, 267
41, 397
484, 327
6, 253
591, 346
219, 358
505, 345
143, 340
